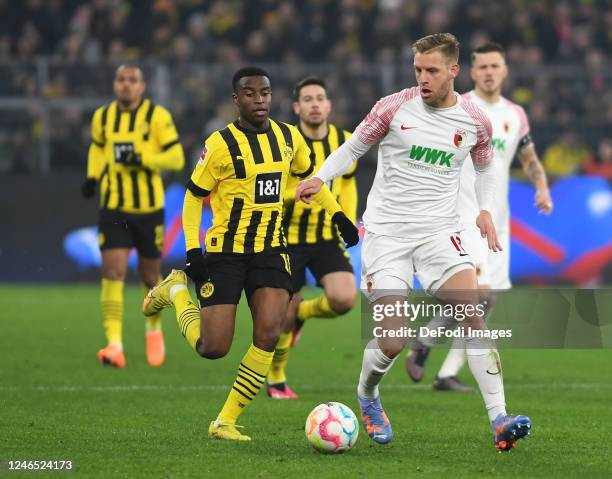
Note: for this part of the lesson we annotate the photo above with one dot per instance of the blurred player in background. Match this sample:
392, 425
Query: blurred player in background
132, 141
244, 168
424, 134
312, 238
511, 136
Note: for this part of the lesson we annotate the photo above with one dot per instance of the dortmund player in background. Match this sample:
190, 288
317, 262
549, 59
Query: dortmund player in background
132, 141
244, 169
313, 240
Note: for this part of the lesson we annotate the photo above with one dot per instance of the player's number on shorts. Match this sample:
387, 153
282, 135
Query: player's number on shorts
267, 188
456, 240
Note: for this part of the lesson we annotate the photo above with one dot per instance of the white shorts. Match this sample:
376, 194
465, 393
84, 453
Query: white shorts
499, 263
389, 263
479, 251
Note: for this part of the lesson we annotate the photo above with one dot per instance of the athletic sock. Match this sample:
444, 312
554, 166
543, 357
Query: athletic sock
111, 299
316, 308
252, 373
455, 359
485, 365
279, 361
187, 314
374, 366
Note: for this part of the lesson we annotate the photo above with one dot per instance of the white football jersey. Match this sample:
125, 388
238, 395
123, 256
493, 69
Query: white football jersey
421, 152
510, 125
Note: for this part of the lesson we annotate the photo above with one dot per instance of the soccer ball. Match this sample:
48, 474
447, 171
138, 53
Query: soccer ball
331, 428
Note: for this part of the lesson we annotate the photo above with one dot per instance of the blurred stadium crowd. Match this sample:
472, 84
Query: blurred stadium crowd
57, 59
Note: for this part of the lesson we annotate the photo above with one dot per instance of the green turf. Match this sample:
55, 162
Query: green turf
56, 401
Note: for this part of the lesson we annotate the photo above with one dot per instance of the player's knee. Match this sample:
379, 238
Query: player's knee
266, 335
342, 301
392, 349
215, 352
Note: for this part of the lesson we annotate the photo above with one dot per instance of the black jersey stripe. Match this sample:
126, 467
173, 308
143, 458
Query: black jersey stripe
117, 118
255, 147
320, 224
169, 145
232, 225
251, 232
303, 225
196, 190
274, 148
150, 188
148, 119
341, 137
135, 189
286, 134
234, 149
104, 117
326, 148
119, 190
270, 230
308, 172
287, 215
133, 114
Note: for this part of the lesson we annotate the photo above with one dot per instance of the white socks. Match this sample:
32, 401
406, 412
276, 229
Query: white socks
374, 367
455, 359
483, 360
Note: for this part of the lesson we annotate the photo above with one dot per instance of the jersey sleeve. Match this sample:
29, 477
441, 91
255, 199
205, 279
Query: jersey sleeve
207, 172
481, 152
303, 163
524, 129
97, 132
164, 129
375, 125
95, 157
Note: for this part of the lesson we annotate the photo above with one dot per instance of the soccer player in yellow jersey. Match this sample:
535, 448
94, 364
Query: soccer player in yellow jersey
244, 168
132, 140
312, 238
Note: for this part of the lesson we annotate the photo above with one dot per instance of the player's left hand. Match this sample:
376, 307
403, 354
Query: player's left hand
543, 201
487, 230
348, 231
306, 189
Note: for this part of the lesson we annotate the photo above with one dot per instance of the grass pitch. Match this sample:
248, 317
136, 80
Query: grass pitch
57, 402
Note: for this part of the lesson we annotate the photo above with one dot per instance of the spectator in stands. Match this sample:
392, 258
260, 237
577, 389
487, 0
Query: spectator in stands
566, 156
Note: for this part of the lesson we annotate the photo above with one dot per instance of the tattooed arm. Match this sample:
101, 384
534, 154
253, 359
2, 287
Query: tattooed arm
536, 174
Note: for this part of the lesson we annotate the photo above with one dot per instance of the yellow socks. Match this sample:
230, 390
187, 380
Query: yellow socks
252, 373
316, 308
279, 361
111, 298
187, 316
153, 323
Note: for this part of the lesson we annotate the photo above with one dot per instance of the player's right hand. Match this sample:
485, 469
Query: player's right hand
487, 230
306, 189
348, 231
195, 265
88, 189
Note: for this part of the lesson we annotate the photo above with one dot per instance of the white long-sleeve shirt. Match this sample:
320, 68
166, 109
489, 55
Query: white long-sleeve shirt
421, 151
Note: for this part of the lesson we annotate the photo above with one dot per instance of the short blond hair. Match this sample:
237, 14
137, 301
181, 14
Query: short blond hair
446, 43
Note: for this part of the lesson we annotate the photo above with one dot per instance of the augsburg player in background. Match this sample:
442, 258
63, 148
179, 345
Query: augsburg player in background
312, 238
132, 140
244, 168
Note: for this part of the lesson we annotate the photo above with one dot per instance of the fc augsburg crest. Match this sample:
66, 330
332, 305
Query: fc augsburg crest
458, 138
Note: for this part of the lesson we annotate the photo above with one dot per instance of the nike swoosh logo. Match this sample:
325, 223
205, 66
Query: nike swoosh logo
463, 254
407, 127
379, 436
493, 374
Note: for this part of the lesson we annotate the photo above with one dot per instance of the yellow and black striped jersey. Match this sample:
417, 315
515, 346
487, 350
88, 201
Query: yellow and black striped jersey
309, 223
148, 132
245, 174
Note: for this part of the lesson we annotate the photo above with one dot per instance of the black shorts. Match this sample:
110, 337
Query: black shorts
320, 258
145, 232
230, 273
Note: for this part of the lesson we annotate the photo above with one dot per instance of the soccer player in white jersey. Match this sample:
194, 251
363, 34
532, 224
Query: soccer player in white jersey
424, 135
511, 136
